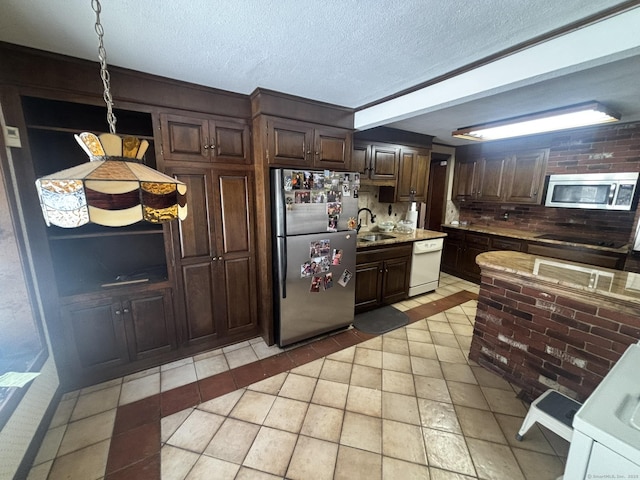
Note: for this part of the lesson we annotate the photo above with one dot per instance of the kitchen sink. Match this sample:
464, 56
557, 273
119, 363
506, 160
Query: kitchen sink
374, 237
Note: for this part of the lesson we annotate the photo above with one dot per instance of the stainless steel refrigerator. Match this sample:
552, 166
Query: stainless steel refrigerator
314, 222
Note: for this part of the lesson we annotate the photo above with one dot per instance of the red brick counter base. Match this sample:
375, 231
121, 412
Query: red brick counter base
539, 328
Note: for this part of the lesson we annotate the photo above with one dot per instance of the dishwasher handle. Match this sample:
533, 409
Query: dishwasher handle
427, 246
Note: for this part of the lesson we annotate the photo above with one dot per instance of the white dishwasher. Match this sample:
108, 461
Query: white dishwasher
425, 266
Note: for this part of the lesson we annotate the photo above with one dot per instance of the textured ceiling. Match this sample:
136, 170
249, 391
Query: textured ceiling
346, 52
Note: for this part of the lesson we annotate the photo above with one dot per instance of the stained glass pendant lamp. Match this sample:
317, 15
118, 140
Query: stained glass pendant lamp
114, 188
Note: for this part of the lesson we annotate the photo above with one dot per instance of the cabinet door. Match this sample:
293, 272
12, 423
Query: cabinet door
332, 148
360, 159
289, 143
413, 175
368, 285
185, 138
194, 253
396, 280
229, 143
96, 335
491, 181
235, 249
384, 163
451, 252
149, 324
468, 265
465, 180
525, 177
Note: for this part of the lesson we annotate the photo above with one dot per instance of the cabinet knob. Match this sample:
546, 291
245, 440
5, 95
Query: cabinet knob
213, 258
380, 271
126, 310
317, 153
535, 194
219, 258
118, 312
206, 146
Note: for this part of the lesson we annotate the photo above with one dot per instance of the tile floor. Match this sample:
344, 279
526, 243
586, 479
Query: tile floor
404, 405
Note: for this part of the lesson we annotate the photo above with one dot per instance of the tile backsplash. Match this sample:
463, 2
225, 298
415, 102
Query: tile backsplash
368, 198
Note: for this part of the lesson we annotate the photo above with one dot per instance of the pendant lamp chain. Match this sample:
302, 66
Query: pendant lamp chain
104, 73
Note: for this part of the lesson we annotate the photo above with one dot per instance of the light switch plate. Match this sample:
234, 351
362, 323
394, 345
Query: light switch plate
12, 136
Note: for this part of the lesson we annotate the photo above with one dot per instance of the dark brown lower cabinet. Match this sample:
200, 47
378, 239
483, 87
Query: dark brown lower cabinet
382, 276
214, 254
111, 335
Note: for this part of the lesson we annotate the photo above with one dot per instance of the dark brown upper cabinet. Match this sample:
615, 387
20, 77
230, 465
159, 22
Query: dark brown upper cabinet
205, 140
302, 144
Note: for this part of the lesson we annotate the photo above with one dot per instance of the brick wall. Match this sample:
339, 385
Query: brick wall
613, 148
541, 336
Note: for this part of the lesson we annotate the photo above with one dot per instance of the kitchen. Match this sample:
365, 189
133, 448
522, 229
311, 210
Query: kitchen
626, 231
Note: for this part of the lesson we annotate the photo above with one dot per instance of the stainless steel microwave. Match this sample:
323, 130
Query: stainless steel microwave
604, 191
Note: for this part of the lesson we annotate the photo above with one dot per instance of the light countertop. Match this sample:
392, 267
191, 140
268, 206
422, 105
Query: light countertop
396, 238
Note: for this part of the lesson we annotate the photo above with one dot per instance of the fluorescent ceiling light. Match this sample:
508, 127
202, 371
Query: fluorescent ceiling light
574, 116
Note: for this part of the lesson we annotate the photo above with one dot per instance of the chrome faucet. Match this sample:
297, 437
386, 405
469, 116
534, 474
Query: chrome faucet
373, 218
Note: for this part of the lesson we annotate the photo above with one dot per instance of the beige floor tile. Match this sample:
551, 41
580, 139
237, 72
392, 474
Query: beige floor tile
139, 388
40, 472
426, 367
460, 318
313, 458
424, 350
208, 367
232, 441
205, 465
298, 387
502, 401
63, 412
177, 377
178, 363
372, 344
398, 382
241, 356
89, 462
367, 401
362, 431
450, 354
403, 441
263, 351
253, 407
96, 402
432, 389
224, 404
393, 468
438, 474
330, 394
196, 431
345, 355
324, 423
467, 395
486, 378
538, 466
461, 329
311, 369
364, 376
270, 385
50, 444
354, 464
171, 423
419, 325
533, 440
336, 371
445, 339
101, 386
271, 451
287, 414
494, 461
465, 346
395, 345
480, 424
207, 354
400, 306
448, 451
87, 431
175, 463
396, 361
559, 444
438, 317
399, 333
438, 415
235, 346
436, 326
458, 373
416, 335
368, 357
401, 408
250, 474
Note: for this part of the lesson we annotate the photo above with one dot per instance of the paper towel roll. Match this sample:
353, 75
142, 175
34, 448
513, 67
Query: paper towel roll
412, 216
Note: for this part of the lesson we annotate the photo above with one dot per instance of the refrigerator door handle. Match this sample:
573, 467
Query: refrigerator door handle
282, 268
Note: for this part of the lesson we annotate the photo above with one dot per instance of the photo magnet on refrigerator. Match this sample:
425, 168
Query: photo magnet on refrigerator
345, 278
